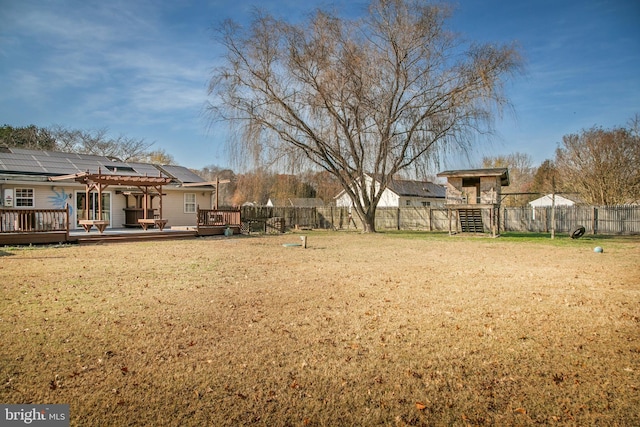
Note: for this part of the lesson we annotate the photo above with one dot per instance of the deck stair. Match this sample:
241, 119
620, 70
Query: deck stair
471, 220
110, 236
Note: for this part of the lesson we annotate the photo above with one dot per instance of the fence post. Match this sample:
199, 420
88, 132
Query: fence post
595, 220
398, 219
504, 218
333, 221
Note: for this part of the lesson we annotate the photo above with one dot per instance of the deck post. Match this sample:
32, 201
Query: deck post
86, 203
67, 221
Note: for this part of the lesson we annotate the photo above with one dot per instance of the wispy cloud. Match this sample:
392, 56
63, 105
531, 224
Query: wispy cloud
122, 55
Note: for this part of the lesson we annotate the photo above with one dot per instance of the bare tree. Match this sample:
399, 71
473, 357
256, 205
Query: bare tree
157, 157
601, 165
546, 178
357, 97
98, 142
226, 190
520, 175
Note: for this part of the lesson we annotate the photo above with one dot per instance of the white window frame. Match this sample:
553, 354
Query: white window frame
19, 199
190, 206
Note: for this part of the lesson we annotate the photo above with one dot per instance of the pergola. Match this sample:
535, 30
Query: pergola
99, 182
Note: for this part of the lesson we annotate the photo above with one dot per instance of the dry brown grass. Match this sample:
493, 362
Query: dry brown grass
355, 330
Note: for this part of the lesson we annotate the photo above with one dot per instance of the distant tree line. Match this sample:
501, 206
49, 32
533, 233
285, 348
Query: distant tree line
261, 185
598, 165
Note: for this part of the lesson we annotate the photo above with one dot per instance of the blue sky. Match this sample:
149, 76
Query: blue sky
141, 67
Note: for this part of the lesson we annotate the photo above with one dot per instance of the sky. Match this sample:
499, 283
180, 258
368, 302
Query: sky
140, 68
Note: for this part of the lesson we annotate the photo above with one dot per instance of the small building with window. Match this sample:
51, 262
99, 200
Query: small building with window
473, 199
32, 179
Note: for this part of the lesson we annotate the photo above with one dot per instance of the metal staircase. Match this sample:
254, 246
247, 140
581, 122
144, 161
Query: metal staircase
471, 220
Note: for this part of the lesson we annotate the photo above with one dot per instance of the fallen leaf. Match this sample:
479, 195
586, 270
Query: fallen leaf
420, 406
520, 411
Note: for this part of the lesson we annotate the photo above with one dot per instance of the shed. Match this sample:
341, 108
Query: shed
473, 197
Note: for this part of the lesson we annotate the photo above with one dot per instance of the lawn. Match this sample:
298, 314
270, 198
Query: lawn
383, 329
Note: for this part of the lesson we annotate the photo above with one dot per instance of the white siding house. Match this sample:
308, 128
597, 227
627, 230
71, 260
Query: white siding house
402, 193
25, 184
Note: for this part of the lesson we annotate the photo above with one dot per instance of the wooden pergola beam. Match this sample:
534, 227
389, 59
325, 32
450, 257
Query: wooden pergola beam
101, 181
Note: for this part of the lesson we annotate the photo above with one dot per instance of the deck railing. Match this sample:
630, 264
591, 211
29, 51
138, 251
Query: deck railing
219, 217
33, 220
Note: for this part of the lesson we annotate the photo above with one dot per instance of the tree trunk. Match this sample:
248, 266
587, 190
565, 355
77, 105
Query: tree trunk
368, 218
369, 223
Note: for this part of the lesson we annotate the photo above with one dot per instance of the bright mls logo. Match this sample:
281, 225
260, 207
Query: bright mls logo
35, 415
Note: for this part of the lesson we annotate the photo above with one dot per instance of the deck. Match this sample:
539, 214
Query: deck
25, 227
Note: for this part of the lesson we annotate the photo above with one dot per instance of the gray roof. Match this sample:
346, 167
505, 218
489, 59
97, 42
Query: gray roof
18, 161
503, 173
181, 173
409, 188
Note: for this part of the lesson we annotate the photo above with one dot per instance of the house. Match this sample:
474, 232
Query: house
474, 197
402, 193
36, 180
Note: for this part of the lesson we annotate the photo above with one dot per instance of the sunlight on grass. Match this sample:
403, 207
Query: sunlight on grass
406, 328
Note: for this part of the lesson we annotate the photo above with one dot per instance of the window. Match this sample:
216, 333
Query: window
426, 204
190, 203
24, 198
408, 202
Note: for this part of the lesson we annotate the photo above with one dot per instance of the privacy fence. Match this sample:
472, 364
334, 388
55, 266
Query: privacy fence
595, 219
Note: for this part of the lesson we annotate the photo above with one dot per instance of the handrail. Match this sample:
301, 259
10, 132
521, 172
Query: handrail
218, 217
34, 220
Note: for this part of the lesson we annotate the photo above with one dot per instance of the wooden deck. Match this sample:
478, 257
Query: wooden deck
38, 226
130, 235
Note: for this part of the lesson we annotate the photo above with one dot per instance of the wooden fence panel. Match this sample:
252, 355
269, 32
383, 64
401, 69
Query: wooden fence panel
338, 218
595, 219
618, 219
599, 220
414, 218
387, 219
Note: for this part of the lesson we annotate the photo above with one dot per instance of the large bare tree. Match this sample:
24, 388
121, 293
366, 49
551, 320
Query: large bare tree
602, 164
98, 142
366, 97
521, 174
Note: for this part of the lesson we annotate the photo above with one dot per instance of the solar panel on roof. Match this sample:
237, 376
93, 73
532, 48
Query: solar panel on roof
59, 163
23, 165
144, 168
56, 154
182, 174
